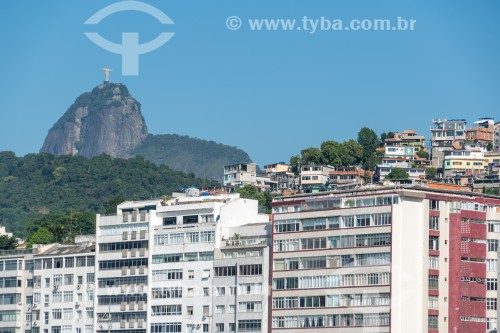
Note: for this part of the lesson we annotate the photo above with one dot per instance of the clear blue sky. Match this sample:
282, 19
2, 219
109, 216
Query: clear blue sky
269, 93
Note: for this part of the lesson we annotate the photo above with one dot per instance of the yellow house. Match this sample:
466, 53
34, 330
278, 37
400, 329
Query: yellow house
461, 161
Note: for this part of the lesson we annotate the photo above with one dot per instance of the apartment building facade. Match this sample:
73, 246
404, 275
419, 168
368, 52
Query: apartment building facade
155, 264
49, 289
242, 278
240, 174
446, 135
385, 260
459, 162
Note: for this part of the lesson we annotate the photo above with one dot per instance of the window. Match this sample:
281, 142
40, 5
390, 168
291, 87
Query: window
491, 304
220, 309
68, 279
190, 275
166, 327
69, 262
169, 220
221, 291
434, 243
225, 271
219, 327
167, 274
433, 282
433, 222
250, 289
493, 226
286, 226
433, 262
347, 221
491, 265
80, 261
434, 302
250, 307
433, 322
249, 325
434, 204
205, 327
313, 243
56, 314
491, 284
67, 314
190, 219
189, 310
58, 279
167, 292
206, 291
166, 310
492, 245
314, 224
251, 270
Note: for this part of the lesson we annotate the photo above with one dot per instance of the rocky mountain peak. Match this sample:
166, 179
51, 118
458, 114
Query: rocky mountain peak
106, 120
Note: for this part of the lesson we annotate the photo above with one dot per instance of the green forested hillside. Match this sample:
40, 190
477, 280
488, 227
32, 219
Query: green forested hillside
39, 184
201, 157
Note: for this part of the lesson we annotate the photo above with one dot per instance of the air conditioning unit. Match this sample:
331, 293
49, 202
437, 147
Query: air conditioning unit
198, 326
100, 326
35, 306
89, 286
79, 287
56, 287
77, 304
35, 324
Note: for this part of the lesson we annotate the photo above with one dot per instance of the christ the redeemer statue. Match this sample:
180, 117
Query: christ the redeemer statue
106, 74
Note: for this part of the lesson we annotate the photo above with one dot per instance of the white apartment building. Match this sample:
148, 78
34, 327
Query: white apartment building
240, 174
242, 278
48, 289
122, 265
314, 178
155, 262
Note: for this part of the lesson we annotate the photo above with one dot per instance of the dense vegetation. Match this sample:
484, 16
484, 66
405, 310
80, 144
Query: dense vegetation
201, 157
41, 190
361, 152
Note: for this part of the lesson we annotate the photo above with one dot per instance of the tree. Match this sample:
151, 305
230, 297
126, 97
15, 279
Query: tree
430, 173
368, 139
384, 136
341, 154
397, 173
489, 146
41, 236
311, 156
8, 243
332, 153
353, 153
295, 164
250, 191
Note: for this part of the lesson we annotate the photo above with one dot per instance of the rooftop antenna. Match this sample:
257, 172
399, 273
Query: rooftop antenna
106, 71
